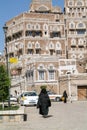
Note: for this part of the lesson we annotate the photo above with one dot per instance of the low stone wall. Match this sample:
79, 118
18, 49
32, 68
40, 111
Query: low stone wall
12, 115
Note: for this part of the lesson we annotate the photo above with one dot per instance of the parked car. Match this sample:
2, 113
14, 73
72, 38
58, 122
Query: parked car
13, 98
28, 98
54, 96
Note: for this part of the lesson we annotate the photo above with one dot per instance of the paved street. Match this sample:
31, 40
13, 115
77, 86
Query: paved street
70, 116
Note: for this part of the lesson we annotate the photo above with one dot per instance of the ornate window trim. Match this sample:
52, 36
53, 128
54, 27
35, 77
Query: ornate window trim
70, 3
73, 42
37, 45
81, 56
37, 26
79, 3
29, 26
80, 42
73, 56
72, 25
42, 8
51, 67
51, 45
58, 46
29, 46
21, 45
41, 67
45, 27
81, 25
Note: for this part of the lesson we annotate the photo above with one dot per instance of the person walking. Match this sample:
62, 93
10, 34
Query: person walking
65, 96
43, 103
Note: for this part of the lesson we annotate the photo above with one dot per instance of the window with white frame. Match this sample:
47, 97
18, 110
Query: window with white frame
37, 45
37, 27
29, 45
70, 3
45, 27
73, 42
79, 3
72, 25
51, 45
29, 26
51, 74
41, 74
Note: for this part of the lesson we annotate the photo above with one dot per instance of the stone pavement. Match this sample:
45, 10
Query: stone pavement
70, 116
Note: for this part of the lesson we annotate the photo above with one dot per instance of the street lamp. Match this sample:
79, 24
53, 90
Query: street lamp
5, 28
69, 86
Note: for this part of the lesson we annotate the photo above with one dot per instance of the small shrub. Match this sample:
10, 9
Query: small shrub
15, 107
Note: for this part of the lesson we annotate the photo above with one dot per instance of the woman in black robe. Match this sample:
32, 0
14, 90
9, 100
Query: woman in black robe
43, 103
65, 96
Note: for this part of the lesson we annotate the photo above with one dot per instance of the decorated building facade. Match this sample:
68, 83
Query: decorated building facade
49, 44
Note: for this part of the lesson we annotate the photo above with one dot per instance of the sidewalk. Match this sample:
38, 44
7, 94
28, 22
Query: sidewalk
70, 116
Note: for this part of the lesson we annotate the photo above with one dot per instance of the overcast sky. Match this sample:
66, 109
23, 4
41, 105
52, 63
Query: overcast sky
12, 8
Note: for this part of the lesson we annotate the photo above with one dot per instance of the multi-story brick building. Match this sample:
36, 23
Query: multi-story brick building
48, 43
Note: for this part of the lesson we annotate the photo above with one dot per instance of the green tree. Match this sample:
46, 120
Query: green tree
4, 84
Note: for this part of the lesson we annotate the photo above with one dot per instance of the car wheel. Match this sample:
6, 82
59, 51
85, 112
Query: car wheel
57, 99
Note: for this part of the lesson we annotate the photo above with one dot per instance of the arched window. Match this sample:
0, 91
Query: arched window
72, 25
51, 72
58, 46
37, 26
73, 42
45, 27
43, 8
73, 56
41, 72
80, 25
80, 42
81, 56
21, 45
29, 45
29, 26
37, 45
79, 3
51, 45
70, 3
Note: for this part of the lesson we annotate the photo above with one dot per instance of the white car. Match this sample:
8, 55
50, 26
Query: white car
13, 98
29, 98
54, 97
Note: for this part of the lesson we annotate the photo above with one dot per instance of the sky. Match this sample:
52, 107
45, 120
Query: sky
11, 8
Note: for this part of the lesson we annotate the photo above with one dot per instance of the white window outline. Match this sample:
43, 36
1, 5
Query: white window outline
29, 45
37, 26
81, 56
45, 27
81, 25
51, 69
37, 45
43, 7
73, 56
58, 46
80, 42
70, 3
51, 45
41, 69
72, 25
21, 45
79, 3
29, 28
73, 42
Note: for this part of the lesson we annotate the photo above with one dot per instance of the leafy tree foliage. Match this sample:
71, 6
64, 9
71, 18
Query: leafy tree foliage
4, 83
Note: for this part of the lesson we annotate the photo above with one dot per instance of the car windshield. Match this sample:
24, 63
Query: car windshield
50, 93
30, 94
